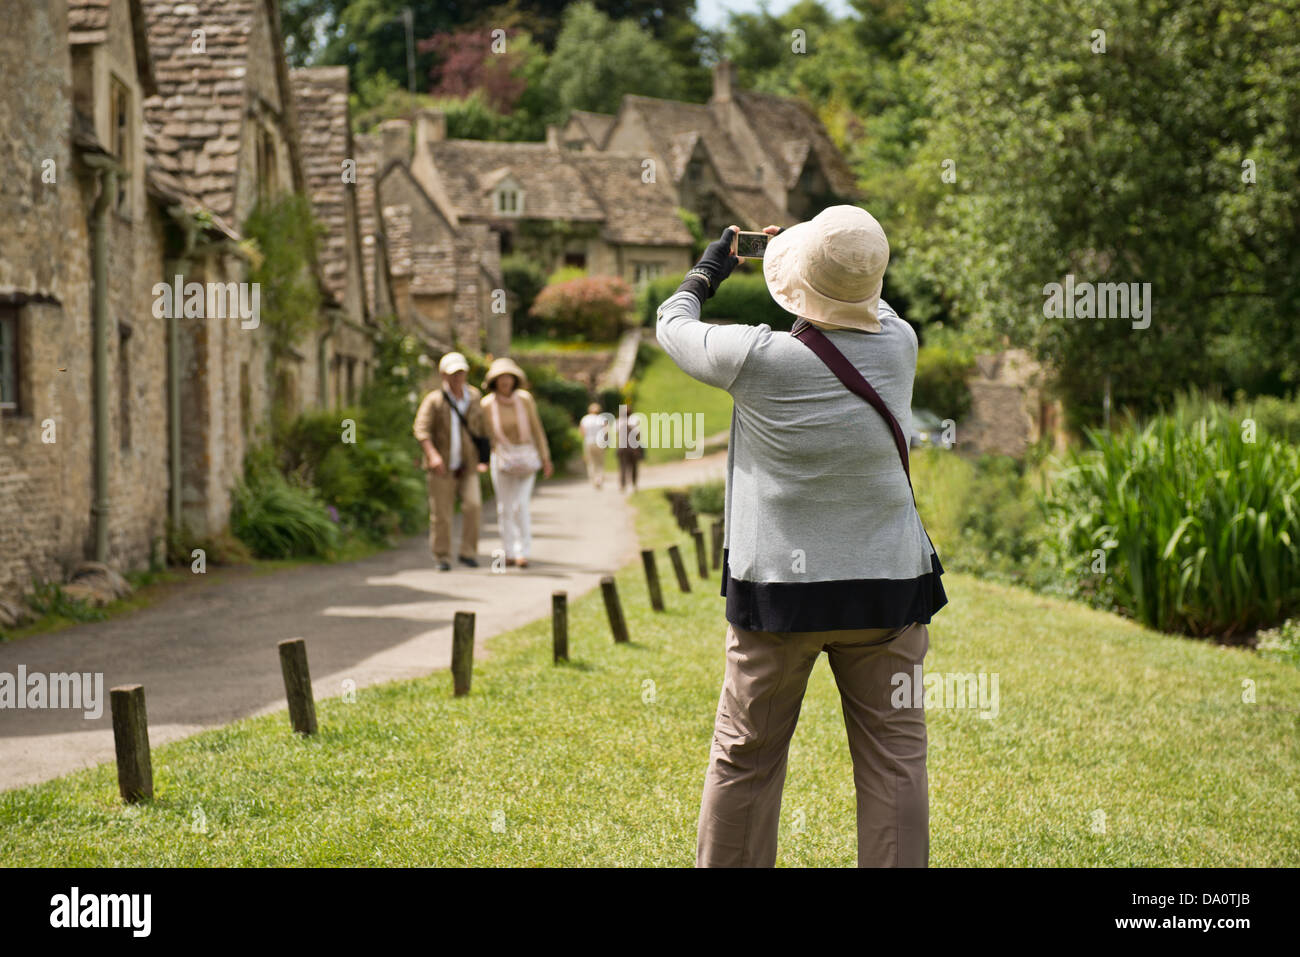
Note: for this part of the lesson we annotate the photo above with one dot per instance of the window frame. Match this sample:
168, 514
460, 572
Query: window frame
516, 195
120, 125
11, 317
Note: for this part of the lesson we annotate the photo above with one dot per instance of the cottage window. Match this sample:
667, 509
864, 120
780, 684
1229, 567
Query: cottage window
120, 137
509, 201
9, 361
644, 272
124, 386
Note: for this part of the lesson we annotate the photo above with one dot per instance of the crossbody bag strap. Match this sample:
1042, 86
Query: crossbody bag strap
854, 381
456, 409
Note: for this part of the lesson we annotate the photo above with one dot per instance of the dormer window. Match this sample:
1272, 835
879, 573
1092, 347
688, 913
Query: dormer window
508, 200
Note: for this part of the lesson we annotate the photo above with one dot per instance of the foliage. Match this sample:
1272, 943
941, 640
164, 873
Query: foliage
592, 308
285, 233
523, 278
692, 223
742, 297
562, 436
1282, 643
598, 59
940, 383
49, 600
1197, 525
708, 498
1050, 183
221, 548
545, 383
278, 520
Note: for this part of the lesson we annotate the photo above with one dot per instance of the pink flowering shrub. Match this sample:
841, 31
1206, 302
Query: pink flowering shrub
591, 307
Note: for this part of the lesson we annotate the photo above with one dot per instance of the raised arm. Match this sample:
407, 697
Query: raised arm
712, 354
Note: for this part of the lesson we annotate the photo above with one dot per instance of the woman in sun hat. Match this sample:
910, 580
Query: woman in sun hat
824, 549
519, 449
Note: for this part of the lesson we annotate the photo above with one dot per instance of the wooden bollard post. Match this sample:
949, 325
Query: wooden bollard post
701, 556
679, 567
131, 739
652, 579
613, 609
560, 625
677, 510
462, 652
297, 685
716, 530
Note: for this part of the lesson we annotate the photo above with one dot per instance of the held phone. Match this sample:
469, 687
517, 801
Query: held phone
751, 245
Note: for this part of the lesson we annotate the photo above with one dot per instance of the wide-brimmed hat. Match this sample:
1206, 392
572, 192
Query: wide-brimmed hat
452, 363
502, 366
831, 269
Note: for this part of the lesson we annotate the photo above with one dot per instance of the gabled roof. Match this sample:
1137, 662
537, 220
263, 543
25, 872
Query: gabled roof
88, 24
789, 131
164, 182
201, 97
596, 126
552, 187
672, 124
321, 97
635, 211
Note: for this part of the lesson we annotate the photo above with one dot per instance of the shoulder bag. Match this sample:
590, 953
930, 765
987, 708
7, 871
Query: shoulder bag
481, 444
515, 458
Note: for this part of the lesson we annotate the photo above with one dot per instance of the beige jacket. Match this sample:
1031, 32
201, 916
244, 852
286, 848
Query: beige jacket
433, 422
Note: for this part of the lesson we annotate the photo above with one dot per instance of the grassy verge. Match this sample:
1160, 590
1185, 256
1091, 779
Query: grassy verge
665, 388
587, 764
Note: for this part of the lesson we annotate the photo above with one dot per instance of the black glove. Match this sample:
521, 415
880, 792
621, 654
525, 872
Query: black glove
714, 266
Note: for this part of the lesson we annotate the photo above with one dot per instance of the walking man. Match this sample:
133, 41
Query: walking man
445, 426
593, 452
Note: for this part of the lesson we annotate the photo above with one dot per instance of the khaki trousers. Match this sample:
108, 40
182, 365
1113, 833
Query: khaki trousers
762, 691
443, 491
594, 456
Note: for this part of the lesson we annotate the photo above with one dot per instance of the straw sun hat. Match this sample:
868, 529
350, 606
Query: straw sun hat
830, 270
502, 366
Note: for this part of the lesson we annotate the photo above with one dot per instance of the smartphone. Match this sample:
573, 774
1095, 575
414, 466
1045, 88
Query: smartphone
751, 245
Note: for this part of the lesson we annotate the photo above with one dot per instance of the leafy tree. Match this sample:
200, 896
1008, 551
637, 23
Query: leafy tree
1117, 166
597, 60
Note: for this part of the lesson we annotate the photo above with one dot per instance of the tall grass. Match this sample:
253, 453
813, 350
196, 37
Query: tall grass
1196, 520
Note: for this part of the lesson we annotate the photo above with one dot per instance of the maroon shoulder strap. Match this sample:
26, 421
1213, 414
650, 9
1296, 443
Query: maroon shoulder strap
853, 380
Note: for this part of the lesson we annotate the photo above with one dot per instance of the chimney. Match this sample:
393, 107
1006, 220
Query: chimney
396, 138
724, 74
553, 137
430, 127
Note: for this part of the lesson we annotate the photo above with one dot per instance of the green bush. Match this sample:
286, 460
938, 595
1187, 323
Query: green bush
592, 308
743, 297
562, 437
940, 383
278, 520
523, 279
1198, 526
570, 396
708, 498
374, 487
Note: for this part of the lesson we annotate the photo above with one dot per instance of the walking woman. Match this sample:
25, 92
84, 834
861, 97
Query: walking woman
824, 548
519, 449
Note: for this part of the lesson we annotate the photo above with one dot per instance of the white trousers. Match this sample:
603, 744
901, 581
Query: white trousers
513, 493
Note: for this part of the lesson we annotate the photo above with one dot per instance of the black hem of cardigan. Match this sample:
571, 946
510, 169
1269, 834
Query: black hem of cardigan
833, 605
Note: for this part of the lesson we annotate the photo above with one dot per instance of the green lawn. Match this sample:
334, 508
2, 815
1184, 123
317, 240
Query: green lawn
665, 388
573, 765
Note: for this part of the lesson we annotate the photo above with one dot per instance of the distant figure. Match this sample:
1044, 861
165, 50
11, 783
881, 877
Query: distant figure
519, 449
630, 451
445, 426
593, 453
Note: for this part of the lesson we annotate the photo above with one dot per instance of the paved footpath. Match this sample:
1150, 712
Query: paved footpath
206, 653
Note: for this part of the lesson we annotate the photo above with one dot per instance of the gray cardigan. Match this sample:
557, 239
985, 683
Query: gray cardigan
822, 532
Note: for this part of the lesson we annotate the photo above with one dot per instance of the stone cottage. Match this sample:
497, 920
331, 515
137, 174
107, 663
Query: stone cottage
608, 213
330, 162
139, 134
744, 157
